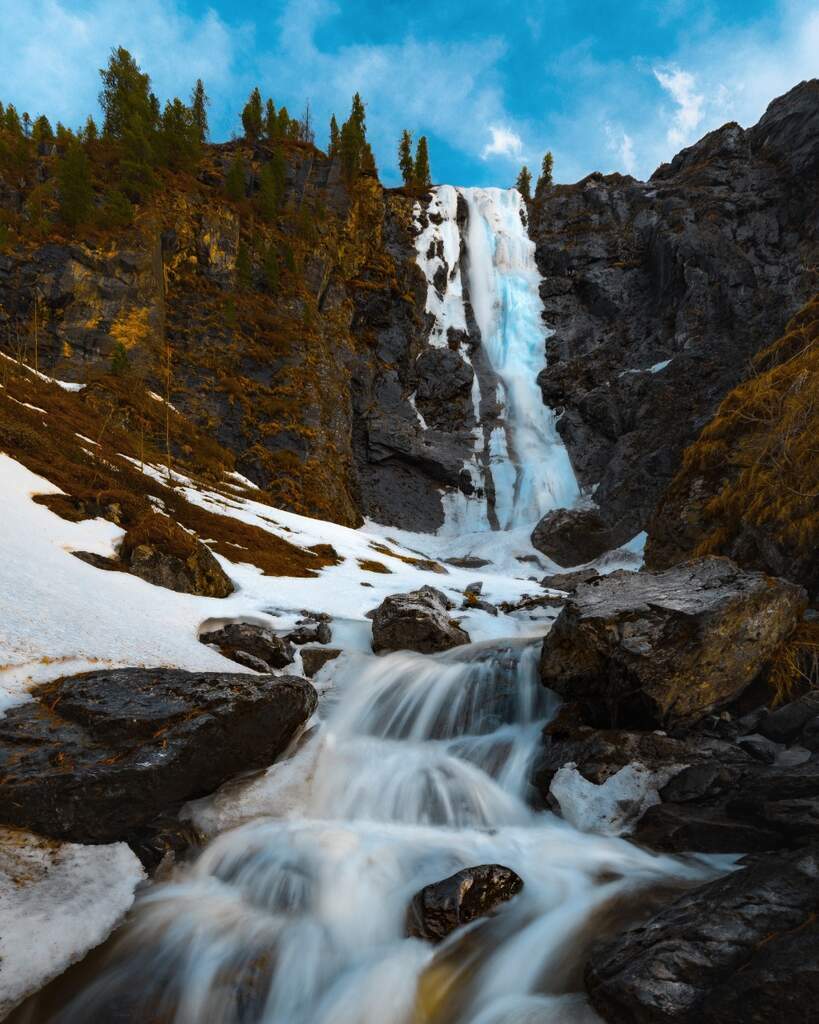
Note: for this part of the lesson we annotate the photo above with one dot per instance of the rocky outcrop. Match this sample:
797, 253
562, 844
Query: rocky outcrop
743, 948
175, 560
417, 621
94, 757
747, 485
663, 649
250, 645
660, 292
442, 907
572, 536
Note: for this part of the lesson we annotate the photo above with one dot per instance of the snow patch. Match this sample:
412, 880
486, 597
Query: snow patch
613, 807
57, 901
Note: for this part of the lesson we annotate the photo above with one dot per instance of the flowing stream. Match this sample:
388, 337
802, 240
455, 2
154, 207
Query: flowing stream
417, 766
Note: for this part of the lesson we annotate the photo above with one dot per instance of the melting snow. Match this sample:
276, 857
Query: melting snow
57, 901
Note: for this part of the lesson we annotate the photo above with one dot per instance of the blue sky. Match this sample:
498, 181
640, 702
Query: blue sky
605, 85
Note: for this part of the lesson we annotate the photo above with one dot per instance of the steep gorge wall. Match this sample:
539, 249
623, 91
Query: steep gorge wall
661, 292
306, 383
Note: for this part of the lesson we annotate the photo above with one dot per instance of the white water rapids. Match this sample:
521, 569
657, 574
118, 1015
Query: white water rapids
416, 767
419, 769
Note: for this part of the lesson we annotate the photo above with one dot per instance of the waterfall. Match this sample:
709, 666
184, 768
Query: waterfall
484, 283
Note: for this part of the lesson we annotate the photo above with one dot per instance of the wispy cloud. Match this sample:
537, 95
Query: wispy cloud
621, 144
503, 142
681, 87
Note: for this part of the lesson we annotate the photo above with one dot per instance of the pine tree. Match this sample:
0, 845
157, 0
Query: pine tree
421, 172
74, 182
235, 180
271, 124
332, 148
283, 119
126, 98
26, 122
199, 108
179, 136
41, 132
117, 211
544, 182
271, 187
524, 183
119, 360
90, 131
253, 116
353, 147
270, 269
136, 165
12, 121
244, 267
405, 162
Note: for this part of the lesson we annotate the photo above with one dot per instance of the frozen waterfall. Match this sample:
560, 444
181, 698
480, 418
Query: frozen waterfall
520, 467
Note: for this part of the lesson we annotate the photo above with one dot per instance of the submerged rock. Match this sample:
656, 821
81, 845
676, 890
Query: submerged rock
438, 909
97, 756
646, 650
417, 621
572, 536
238, 640
743, 948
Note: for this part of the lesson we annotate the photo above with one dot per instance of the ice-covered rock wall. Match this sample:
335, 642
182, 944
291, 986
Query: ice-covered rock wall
474, 249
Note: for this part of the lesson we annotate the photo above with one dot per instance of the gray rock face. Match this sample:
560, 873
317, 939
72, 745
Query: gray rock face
741, 949
244, 638
438, 909
96, 756
572, 536
417, 621
651, 650
699, 268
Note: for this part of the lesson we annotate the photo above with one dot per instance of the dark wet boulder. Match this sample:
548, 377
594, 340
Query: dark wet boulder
691, 827
438, 909
659, 650
569, 581
250, 645
160, 552
785, 723
739, 950
310, 633
93, 758
572, 536
313, 659
417, 621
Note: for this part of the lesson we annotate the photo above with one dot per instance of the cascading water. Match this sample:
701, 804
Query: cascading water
418, 766
520, 464
296, 915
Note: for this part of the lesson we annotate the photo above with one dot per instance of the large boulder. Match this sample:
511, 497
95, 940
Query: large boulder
438, 909
160, 552
417, 621
251, 645
744, 948
97, 756
573, 536
660, 650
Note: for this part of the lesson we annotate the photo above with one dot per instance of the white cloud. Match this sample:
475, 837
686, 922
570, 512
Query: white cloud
51, 51
504, 142
681, 86
621, 144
